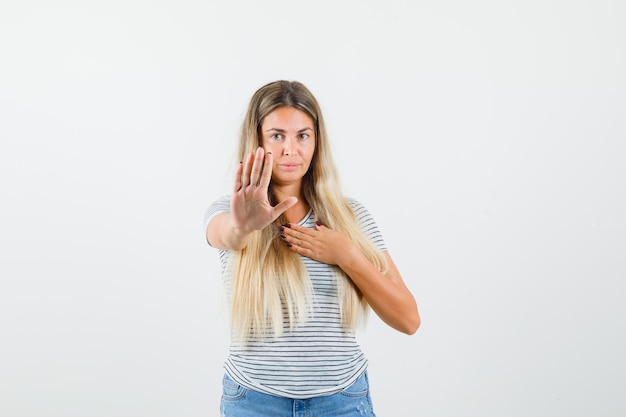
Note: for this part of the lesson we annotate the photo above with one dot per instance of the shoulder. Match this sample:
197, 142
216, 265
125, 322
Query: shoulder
221, 205
359, 210
367, 223
355, 204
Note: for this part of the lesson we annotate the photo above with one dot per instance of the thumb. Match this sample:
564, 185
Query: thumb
284, 205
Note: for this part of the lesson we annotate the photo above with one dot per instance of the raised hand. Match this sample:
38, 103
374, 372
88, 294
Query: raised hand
250, 208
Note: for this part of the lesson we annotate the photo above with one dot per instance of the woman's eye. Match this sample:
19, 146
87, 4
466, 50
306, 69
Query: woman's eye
303, 136
277, 136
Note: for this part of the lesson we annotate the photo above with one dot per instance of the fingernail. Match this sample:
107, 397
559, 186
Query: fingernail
269, 153
289, 245
283, 235
281, 228
317, 222
287, 225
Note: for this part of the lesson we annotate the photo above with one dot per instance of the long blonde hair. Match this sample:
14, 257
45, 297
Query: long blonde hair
270, 286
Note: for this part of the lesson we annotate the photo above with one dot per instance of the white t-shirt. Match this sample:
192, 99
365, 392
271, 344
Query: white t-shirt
319, 357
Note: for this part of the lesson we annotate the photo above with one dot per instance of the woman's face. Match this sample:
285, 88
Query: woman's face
289, 134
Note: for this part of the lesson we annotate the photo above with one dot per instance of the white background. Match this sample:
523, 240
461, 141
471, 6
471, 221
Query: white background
487, 138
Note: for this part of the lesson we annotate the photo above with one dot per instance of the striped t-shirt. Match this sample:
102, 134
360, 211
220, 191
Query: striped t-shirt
319, 357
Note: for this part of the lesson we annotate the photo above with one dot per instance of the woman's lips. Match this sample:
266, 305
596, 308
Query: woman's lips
288, 167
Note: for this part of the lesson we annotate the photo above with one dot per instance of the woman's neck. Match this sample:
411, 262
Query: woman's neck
296, 213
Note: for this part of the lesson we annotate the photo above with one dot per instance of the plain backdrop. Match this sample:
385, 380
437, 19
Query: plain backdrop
487, 138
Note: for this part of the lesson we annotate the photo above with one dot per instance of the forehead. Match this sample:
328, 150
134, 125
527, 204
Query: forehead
287, 116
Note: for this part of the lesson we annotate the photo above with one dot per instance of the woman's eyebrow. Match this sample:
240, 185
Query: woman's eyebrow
279, 130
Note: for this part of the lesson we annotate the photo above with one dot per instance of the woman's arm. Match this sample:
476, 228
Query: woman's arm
387, 295
221, 233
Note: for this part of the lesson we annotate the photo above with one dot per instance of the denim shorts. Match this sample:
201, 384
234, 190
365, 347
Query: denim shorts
238, 401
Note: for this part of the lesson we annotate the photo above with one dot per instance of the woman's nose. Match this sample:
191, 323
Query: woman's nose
289, 147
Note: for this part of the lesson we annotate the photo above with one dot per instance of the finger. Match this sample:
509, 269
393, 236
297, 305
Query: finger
299, 231
295, 239
300, 236
245, 177
266, 175
238, 174
284, 205
301, 250
257, 166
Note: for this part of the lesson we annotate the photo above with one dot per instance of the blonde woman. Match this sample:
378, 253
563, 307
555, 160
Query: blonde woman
302, 264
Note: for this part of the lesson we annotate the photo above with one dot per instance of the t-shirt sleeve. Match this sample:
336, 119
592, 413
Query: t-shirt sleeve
220, 206
368, 225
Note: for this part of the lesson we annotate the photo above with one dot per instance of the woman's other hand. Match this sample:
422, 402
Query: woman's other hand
321, 244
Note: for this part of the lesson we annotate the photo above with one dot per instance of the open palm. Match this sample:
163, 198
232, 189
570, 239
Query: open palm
249, 205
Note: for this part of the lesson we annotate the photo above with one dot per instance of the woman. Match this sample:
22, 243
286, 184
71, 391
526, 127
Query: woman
302, 263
